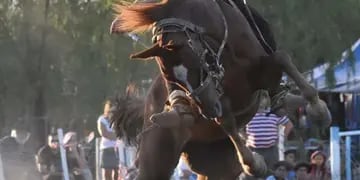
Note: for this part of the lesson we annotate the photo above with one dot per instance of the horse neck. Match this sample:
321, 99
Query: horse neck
206, 15
240, 94
156, 97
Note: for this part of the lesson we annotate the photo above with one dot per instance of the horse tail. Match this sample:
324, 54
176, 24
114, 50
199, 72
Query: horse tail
127, 115
139, 17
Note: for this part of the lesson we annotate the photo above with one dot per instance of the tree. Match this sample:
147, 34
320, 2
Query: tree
59, 62
58, 65
312, 30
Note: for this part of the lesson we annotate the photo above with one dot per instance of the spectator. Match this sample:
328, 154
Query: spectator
16, 154
281, 169
13, 143
108, 156
131, 173
318, 169
88, 145
76, 157
182, 171
122, 172
302, 170
290, 157
48, 160
262, 132
8, 144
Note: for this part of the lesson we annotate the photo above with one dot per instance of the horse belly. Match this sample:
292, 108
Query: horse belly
207, 131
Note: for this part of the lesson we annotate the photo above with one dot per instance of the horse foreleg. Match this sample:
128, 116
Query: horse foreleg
252, 163
160, 152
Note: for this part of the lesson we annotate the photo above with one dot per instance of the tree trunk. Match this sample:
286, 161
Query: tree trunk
37, 82
39, 123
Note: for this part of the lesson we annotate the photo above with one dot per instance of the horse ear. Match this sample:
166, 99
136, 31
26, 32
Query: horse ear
147, 53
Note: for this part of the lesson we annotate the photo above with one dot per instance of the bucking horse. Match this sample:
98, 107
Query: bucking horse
214, 64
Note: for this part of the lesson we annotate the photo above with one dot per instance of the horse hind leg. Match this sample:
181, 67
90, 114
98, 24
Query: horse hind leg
316, 107
284, 60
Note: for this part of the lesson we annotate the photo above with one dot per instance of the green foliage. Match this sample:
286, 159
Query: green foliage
312, 30
71, 58
82, 63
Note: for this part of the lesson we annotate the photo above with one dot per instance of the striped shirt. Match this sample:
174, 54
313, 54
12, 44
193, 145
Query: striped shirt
262, 130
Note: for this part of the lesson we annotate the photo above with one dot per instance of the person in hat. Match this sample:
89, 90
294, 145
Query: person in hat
318, 170
48, 160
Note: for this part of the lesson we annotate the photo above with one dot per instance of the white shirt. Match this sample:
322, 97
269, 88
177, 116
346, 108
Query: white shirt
105, 142
180, 168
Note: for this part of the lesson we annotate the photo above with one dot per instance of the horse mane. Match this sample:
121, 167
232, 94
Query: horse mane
128, 115
139, 17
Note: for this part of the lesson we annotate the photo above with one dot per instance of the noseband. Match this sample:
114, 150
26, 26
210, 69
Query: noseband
210, 64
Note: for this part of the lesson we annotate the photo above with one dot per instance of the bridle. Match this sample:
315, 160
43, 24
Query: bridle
210, 59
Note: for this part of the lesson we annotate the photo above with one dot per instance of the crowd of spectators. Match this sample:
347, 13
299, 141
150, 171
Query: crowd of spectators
314, 169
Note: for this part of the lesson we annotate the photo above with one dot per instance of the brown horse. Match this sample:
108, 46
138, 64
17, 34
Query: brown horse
215, 159
193, 49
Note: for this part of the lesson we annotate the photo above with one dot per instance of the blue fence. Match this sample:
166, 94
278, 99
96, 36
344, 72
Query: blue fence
335, 153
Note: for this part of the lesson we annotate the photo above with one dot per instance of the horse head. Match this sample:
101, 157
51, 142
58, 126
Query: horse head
187, 45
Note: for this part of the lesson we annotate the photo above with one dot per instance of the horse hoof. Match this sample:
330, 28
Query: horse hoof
318, 112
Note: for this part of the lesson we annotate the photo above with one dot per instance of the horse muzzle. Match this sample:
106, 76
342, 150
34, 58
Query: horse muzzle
207, 96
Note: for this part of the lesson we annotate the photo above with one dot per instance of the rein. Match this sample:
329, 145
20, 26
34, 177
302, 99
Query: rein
264, 42
253, 23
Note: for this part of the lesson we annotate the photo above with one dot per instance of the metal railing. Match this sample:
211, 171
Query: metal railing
335, 155
64, 164
2, 176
